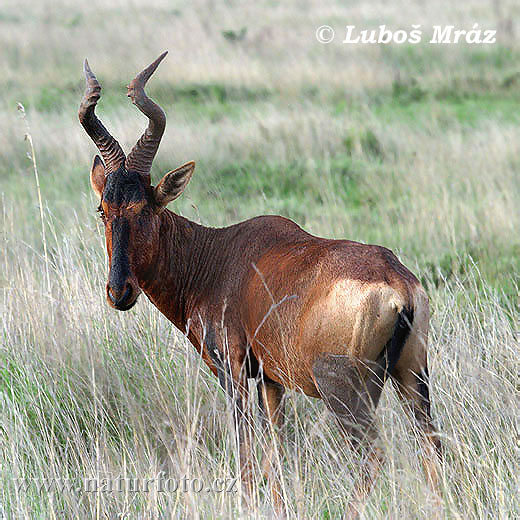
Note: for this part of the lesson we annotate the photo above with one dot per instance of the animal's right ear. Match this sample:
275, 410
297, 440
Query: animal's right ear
173, 184
97, 176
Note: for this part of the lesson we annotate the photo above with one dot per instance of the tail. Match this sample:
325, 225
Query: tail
394, 347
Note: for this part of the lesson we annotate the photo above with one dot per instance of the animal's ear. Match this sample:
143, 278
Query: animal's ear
173, 183
97, 176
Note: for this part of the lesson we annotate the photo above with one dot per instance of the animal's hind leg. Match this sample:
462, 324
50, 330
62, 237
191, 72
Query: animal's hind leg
413, 389
352, 393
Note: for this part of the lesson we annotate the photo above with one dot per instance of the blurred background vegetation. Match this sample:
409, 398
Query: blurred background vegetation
415, 147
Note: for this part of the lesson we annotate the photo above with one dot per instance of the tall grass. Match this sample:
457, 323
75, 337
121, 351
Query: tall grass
399, 146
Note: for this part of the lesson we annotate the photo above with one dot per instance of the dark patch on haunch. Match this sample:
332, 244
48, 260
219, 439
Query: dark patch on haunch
120, 266
394, 347
123, 187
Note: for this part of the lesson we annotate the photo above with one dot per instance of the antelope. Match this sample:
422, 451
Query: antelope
264, 299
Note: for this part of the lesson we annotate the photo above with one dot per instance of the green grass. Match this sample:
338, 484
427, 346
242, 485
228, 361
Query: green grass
411, 147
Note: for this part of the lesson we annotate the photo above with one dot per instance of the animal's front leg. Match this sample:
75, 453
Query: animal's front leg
270, 397
244, 438
229, 361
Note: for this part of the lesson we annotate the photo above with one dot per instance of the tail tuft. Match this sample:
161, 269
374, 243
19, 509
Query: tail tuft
395, 346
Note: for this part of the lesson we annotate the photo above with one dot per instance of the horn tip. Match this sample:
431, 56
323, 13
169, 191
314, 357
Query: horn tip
160, 58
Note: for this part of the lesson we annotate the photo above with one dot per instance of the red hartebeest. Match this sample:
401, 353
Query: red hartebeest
262, 299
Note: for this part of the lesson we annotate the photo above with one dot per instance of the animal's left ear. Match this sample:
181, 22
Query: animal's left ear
173, 184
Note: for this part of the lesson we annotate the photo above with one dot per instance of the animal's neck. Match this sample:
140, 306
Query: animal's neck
180, 277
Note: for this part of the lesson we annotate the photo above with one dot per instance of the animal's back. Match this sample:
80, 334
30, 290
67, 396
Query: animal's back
308, 296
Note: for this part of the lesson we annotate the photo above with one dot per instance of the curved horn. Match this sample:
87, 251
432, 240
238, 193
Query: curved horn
142, 154
110, 150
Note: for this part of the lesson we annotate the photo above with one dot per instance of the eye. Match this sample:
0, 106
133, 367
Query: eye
101, 213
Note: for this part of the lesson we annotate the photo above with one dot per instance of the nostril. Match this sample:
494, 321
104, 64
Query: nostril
110, 295
123, 296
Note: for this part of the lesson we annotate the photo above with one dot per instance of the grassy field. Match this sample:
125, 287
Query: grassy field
415, 147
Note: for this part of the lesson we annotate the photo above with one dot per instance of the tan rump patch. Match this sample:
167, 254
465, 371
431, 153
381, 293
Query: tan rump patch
353, 318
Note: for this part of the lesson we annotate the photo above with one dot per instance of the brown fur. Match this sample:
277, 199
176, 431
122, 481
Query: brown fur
265, 299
